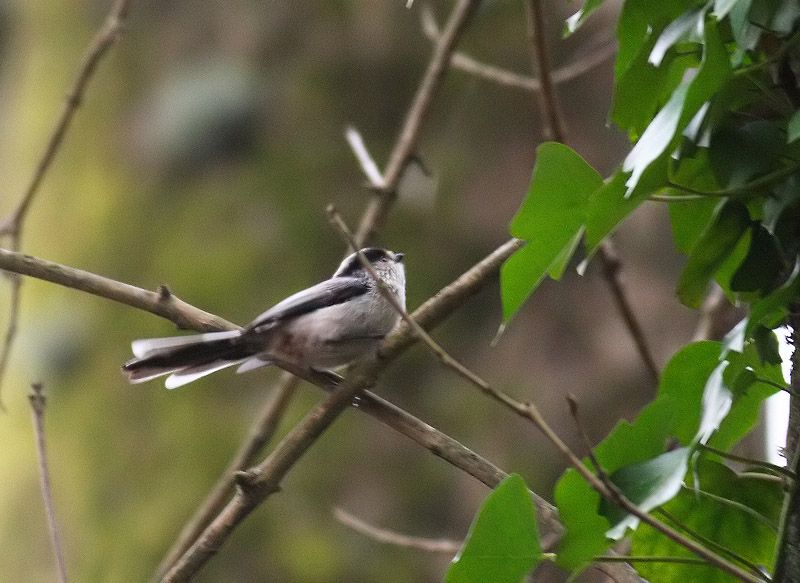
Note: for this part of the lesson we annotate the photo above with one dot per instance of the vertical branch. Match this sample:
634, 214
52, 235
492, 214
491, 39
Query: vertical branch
551, 112
788, 564
406, 143
37, 400
12, 227
541, 59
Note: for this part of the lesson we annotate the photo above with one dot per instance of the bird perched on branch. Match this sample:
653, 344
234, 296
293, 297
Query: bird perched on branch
324, 326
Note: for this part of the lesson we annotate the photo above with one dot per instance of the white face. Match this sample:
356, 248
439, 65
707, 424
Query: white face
383, 260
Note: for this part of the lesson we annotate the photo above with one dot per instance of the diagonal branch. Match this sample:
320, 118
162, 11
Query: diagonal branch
406, 144
12, 227
467, 64
261, 431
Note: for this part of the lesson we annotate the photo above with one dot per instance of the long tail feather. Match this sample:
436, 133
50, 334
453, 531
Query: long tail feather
187, 358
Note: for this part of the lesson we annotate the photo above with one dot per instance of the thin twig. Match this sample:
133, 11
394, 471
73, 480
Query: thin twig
648, 559
261, 432
551, 112
710, 543
406, 143
12, 227
529, 411
749, 461
37, 400
391, 537
467, 64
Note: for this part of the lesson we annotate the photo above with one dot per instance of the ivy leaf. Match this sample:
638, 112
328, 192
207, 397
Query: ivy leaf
674, 415
550, 220
763, 264
749, 535
677, 30
503, 542
793, 128
711, 250
607, 208
648, 484
685, 102
773, 308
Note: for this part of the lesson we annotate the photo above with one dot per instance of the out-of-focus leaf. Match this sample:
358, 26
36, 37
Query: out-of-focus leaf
784, 197
766, 344
717, 401
648, 484
549, 220
679, 29
745, 34
743, 533
743, 377
710, 251
722, 7
793, 128
503, 542
763, 264
685, 102
779, 17
775, 306
674, 415
739, 154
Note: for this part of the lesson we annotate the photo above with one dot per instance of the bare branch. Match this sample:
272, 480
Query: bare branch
365, 160
12, 226
261, 432
166, 305
406, 144
37, 400
390, 537
467, 64
611, 267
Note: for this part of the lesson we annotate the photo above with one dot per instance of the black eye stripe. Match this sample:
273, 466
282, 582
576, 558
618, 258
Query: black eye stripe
373, 255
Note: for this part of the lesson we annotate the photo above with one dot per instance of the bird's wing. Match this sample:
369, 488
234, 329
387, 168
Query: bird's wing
327, 293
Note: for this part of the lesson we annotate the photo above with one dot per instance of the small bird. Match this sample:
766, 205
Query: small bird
324, 326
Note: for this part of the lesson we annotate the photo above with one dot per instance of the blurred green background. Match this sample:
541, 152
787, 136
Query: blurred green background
205, 152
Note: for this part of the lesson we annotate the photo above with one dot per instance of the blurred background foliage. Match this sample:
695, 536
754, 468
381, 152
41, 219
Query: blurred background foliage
204, 154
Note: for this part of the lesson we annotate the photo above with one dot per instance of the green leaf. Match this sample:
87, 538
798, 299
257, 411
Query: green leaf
746, 534
503, 542
647, 484
674, 415
642, 89
550, 220
739, 154
690, 220
711, 250
723, 7
763, 264
775, 306
607, 208
679, 29
793, 128
666, 127
744, 33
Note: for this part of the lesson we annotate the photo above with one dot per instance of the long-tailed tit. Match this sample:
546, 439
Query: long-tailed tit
325, 326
